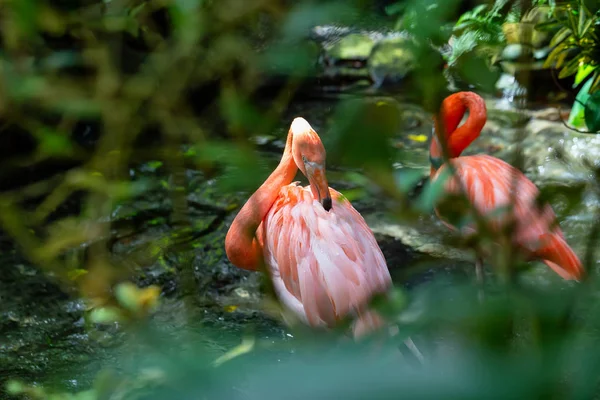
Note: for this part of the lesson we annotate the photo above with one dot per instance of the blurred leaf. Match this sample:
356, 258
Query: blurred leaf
137, 300
406, 179
105, 315
54, 143
390, 304
361, 131
304, 16
427, 16
14, 387
245, 347
243, 170
239, 111
82, 108
395, 8
187, 20
354, 194
291, 59
60, 60
154, 165
433, 192
76, 273
25, 12
477, 71
456, 210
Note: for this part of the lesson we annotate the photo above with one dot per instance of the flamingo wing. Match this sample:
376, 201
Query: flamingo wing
324, 265
489, 184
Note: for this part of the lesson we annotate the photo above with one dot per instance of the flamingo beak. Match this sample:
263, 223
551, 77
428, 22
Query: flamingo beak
318, 183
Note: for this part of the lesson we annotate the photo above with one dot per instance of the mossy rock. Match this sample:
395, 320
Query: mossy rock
391, 60
355, 46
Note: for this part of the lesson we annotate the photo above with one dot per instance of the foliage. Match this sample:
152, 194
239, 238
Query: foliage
483, 30
575, 44
479, 30
576, 51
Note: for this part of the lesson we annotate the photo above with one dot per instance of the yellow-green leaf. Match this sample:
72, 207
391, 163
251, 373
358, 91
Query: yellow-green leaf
583, 72
569, 69
560, 36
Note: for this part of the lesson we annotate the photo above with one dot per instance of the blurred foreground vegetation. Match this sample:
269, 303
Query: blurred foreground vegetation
123, 116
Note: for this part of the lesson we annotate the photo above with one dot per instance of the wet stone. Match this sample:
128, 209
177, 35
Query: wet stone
391, 61
352, 47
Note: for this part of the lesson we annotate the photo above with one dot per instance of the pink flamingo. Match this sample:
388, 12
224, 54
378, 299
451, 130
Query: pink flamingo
488, 183
323, 259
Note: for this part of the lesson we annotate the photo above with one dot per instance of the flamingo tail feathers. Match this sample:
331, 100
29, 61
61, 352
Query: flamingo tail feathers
559, 256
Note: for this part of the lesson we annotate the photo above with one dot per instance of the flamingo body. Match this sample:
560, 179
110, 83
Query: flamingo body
490, 184
324, 265
323, 259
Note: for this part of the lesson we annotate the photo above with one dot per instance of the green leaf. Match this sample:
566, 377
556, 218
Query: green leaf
560, 36
569, 69
582, 22
560, 59
582, 73
592, 112
585, 27
407, 178
595, 84
576, 116
553, 56
548, 26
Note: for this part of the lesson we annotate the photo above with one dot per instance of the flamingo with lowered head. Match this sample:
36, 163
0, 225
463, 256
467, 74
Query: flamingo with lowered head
488, 184
323, 259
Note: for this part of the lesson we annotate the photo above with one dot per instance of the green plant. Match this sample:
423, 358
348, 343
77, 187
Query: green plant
576, 51
481, 30
478, 30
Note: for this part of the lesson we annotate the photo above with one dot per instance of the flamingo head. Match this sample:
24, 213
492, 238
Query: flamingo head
309, 154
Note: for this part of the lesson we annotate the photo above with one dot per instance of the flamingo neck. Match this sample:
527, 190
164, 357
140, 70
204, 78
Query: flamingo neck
267, 193
241, 246
457, 138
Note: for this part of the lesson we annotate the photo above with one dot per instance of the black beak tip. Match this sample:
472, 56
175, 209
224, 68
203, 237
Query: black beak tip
327, 203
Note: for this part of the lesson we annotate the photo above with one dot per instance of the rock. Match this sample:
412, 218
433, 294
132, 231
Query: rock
555, 154
512, 52
354, 47
391, 61
382, 57
425, 238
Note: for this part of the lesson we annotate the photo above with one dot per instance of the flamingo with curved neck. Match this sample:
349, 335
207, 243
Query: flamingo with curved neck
489, 183
323, 259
